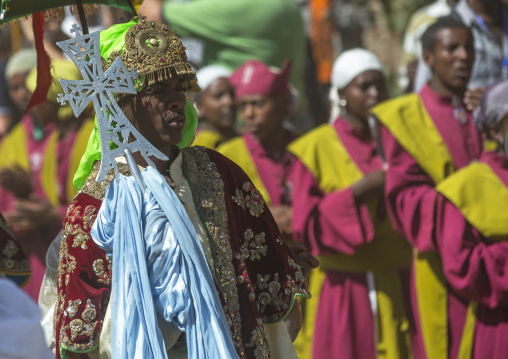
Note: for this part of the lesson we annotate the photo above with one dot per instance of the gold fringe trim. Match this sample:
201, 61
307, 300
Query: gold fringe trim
182, 69
57, 13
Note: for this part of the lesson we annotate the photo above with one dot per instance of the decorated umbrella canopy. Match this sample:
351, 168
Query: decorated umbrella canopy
51, 9
42, 10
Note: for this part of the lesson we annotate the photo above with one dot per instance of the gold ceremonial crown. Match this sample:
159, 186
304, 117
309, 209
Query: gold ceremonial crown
152, 49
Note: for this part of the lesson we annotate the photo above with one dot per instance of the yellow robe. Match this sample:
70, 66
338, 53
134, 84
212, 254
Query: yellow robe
207, 138
325, 156
237, 151
408, 121
49, 178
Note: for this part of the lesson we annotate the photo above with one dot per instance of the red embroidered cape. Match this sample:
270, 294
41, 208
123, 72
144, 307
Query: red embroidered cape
254, 272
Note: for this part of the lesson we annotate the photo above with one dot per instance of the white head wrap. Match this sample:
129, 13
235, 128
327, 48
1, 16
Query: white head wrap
346, 67
209, 74
20, 62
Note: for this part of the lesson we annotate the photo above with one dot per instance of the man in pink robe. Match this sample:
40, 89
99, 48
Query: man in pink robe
476, 268
410, 191
262, 94
475, 260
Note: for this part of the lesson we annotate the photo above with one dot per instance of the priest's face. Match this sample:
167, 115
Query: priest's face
451, 61
158, 112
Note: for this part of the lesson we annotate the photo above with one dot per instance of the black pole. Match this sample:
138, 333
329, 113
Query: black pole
82, 18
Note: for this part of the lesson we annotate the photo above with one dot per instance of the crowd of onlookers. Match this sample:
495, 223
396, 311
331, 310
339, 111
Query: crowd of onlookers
403, 200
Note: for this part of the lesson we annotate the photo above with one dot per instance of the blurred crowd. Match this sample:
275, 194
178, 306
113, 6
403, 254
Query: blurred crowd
403, 199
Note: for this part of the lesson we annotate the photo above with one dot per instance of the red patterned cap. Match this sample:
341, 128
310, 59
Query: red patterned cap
254, 77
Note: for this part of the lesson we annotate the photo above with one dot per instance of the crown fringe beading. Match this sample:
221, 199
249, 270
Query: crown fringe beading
182, 69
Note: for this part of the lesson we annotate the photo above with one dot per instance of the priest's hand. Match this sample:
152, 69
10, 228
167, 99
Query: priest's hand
372, 184
303, 258
472, 97
17, 181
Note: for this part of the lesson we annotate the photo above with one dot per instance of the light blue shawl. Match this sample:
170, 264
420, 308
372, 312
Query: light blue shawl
158, 265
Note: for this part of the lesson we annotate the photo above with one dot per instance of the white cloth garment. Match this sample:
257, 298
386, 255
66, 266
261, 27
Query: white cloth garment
20, 328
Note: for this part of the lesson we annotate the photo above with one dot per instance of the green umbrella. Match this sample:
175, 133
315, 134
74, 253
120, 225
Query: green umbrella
51, 9
15, 9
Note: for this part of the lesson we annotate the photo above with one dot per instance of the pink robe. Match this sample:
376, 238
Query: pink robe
37, 253
63, 152
36, 154
477, 269
274, 173
411, 197
336, 223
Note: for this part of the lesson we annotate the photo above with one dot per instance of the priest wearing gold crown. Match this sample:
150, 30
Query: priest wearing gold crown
182, 257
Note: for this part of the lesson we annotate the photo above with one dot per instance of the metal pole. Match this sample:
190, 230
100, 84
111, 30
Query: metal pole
82, 17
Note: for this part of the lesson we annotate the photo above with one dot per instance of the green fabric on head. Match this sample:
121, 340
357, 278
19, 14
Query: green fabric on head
113, 39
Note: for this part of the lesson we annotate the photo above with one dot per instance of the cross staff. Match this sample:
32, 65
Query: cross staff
99, 86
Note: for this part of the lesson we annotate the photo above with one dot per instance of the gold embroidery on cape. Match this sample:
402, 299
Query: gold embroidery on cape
254, 202
258, 341
98, 189
7, 262
299, 277
79, 232
89, 313
72, 308
67, 263
12, 265
273, 295
243, 277
208, 192
253, 249
100, 271
10, 249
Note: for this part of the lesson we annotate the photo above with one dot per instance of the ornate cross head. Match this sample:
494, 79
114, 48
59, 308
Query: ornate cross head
98, 86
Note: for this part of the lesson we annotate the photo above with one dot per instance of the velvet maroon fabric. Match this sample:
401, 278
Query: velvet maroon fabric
77, 281
263, 269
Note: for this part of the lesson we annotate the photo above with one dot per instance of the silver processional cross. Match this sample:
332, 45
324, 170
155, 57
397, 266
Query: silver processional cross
99, 86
